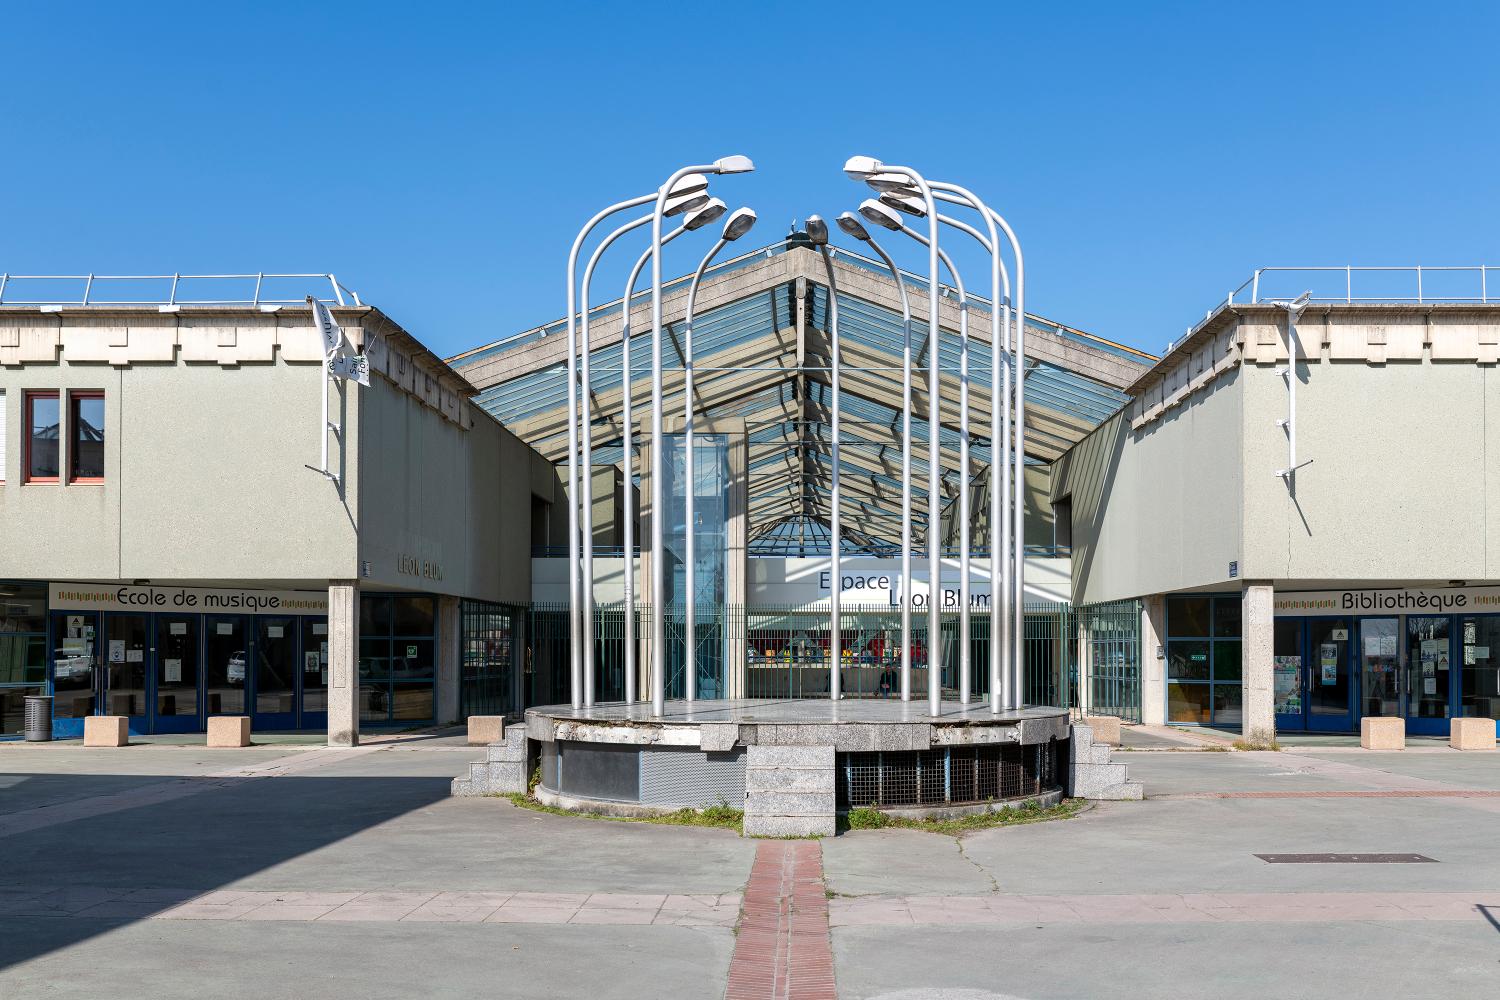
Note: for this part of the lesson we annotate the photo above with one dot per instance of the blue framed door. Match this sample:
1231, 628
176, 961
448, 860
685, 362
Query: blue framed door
273, 676
126, 670
1289, 673
226, 664
1431, 672
312, 678
1329, 678
177, 656
75, 647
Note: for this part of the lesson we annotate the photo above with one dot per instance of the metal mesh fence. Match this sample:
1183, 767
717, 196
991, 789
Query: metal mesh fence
1112, 658
488, 650
947, 775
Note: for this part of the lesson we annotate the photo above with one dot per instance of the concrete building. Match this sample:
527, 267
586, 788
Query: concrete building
171, 551
1310, 547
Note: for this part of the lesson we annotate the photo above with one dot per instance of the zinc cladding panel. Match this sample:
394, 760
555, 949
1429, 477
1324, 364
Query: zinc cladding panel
692, 778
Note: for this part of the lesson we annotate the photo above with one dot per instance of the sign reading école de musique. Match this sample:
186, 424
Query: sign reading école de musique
188, 600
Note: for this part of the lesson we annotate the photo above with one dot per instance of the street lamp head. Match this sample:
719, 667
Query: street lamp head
905, 203
733, 165
677, 204
740, 222
689, 184
712, 210
817, 231
881, 215
898, 183
861, 167
851, 225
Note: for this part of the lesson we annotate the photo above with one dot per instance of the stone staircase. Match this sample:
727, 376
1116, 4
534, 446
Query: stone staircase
503, 769
1093, 775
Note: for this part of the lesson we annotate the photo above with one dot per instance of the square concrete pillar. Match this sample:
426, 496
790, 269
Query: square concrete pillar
486, 729
1258, 676
106, 731
1472, 734
1382, 733
229, 730
449, 674
1083, 656
1153, 660
343, 663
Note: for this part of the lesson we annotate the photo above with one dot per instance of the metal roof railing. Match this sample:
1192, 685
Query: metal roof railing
1414, 284
171, 290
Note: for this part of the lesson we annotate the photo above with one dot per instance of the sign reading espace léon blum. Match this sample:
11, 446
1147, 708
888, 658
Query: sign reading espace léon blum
1408, 600
185, 600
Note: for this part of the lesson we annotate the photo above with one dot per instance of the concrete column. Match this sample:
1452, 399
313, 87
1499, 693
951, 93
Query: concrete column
449, 654
343, 663
1083, 656
1154, 659
518, 662
1259, 663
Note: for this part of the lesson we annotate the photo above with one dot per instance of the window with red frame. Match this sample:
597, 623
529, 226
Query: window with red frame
86, 437
43, 436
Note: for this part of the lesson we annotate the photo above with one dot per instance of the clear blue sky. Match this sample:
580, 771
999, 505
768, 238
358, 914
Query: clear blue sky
440, 158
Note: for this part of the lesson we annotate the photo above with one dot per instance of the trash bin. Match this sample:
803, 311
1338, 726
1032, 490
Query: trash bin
38, 718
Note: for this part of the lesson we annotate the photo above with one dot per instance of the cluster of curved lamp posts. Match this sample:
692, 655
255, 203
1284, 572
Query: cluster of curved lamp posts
901, 190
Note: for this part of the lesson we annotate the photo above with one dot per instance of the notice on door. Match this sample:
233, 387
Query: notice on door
172, 671
117, 651
310, 663
1328, 660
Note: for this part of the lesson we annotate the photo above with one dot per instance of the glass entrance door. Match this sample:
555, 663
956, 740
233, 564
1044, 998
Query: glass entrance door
1429, 672
314, 672
77, 676
274, 683
226, 661
1330, 676
177, 700
1288, 672
126, 658
1380, 666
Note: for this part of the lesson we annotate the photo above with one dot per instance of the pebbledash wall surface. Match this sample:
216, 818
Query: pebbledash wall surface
170, 551
1364, 584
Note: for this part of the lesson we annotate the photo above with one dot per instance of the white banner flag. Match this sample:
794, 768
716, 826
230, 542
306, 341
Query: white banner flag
333, 334
355, 366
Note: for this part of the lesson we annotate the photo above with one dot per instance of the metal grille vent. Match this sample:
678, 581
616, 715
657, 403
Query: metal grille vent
947, 775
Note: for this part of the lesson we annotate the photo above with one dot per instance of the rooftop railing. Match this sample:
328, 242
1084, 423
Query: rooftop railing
168, 291
1415, 284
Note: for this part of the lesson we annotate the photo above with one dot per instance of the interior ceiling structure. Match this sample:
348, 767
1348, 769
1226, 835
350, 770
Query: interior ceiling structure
761, 351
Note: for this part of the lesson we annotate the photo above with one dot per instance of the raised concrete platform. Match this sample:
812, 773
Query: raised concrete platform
793, 765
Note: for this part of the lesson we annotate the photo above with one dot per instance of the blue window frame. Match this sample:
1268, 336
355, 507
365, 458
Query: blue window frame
398, 652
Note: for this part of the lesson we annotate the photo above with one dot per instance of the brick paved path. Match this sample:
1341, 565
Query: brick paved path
782, 952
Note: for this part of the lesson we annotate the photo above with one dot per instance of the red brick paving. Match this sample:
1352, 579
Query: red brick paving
782, 952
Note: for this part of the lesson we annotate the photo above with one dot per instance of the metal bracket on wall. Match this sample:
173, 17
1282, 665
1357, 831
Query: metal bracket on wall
1289, 373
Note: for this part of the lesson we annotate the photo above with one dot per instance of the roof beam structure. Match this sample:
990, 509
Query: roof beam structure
761, 356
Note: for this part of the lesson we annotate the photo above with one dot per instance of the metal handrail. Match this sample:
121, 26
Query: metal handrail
337, 291
1250, 292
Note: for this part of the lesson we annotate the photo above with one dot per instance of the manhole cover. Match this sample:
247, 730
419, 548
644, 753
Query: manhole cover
1346, 859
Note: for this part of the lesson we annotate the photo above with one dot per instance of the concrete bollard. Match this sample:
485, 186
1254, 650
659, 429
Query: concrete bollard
486, 729
106, 731
1106, 728
1382, 733
228, 730
1472, 734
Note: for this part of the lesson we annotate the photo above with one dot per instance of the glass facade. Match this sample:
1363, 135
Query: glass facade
397, 658
1204, 660
23, 650
710, 520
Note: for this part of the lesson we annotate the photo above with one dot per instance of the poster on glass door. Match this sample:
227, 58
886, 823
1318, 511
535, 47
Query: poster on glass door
1328, 660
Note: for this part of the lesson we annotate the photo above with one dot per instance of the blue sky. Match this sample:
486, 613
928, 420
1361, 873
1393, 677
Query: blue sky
439, 158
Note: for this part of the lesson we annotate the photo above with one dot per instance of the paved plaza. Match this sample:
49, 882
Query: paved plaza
287, 870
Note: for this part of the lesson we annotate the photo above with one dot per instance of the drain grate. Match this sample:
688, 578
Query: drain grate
1346, 859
